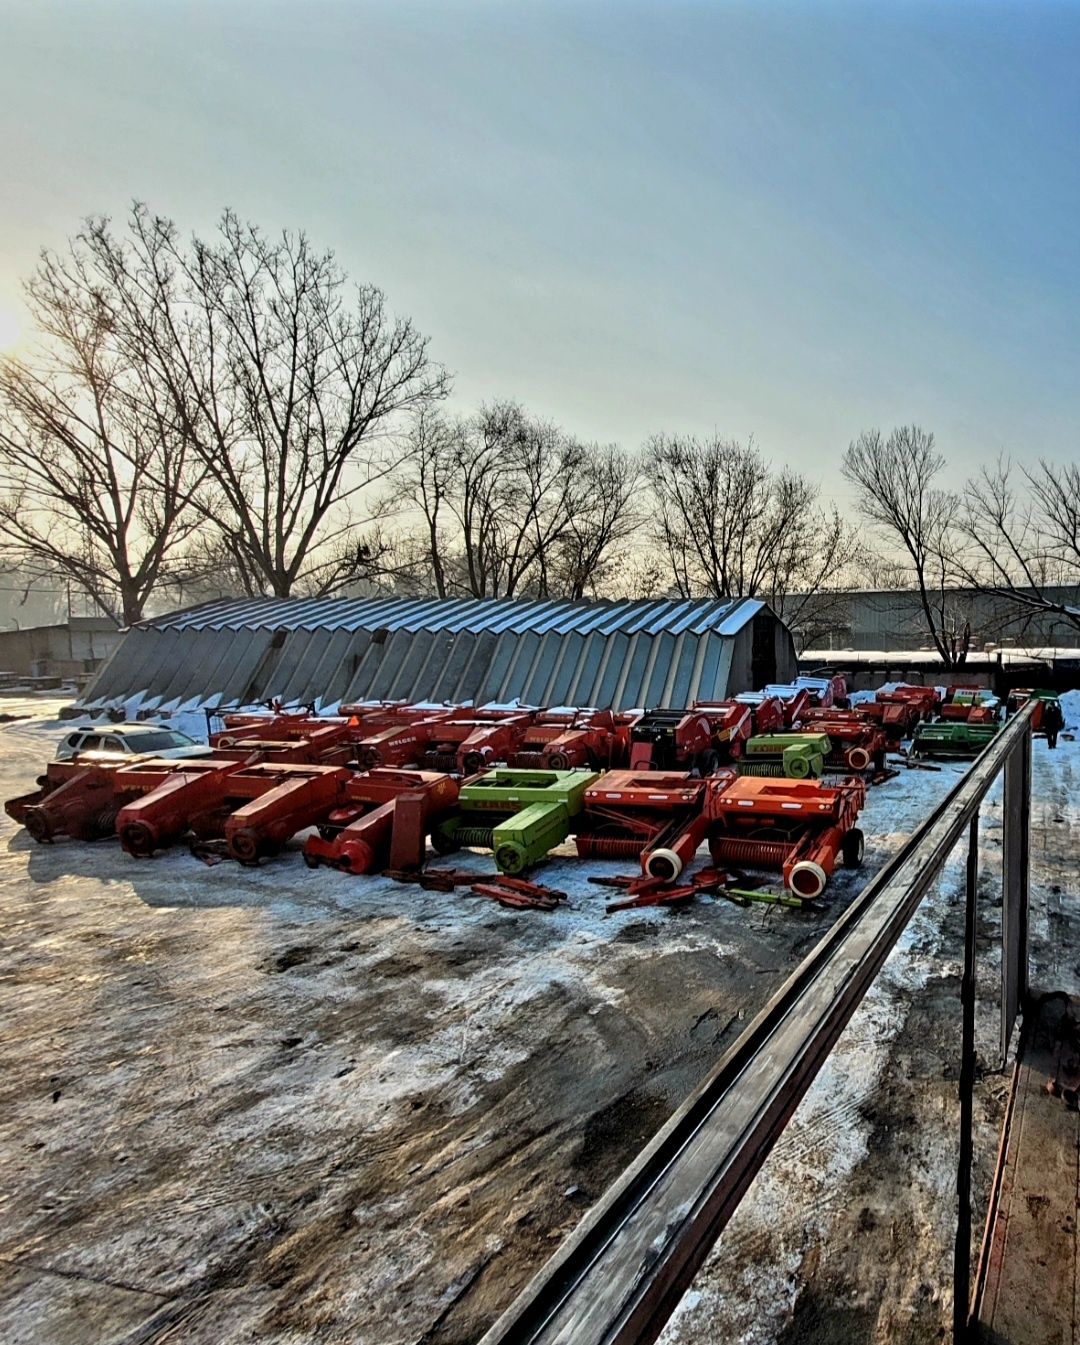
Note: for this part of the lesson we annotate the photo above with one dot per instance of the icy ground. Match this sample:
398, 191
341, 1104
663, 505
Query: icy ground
282, 1106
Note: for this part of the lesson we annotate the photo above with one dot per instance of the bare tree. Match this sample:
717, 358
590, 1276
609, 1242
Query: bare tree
511, 505
606, 515
423, 482
895, 479
1056, 490
283, 379
731, 526
96, 475
1022, 537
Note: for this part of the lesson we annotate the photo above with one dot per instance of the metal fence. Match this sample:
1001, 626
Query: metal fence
621, 1274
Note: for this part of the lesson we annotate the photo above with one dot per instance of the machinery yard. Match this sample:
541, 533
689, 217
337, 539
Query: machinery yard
278, 1104
539, 674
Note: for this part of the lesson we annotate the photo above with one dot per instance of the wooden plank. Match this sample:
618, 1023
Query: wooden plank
1031, 1289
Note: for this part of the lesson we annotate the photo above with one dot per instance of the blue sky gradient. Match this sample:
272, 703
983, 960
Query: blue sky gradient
786, 220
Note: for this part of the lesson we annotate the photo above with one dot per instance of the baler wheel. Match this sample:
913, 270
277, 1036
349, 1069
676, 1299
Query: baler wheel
443, 844
858, 758
37, 824
852, 848
509, 859
708, 763
246, 847
139, 840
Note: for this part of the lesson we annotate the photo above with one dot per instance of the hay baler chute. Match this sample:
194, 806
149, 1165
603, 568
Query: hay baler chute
653, 817
255, 806
969, 705
707, 736
517, 814
924, 701
801, 827
857, 743
384, 821
795, 756
566, 740
463, 742
962, 740
74, 798
897, 720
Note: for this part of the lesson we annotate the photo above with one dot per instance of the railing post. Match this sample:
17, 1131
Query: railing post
1016, 820
1025, 865
962, 1252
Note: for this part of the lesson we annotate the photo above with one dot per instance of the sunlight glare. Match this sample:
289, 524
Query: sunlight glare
10, 331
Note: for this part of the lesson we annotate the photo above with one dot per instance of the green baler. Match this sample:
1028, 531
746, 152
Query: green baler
518, 814
945, 739
796, 756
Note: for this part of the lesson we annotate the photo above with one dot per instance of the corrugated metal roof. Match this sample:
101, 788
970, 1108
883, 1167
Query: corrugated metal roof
616, 654
654, 617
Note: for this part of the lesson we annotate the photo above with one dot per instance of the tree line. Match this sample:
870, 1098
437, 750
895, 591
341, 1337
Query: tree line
231, 414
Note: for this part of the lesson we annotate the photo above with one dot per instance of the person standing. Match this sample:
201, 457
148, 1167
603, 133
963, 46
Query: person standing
1053, 721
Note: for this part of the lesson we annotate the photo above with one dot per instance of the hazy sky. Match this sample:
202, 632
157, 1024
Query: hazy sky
786, 220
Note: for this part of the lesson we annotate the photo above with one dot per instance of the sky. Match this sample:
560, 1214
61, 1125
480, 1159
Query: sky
791, 221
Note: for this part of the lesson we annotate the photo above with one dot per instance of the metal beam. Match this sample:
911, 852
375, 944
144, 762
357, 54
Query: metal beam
962, 1247
620, 1275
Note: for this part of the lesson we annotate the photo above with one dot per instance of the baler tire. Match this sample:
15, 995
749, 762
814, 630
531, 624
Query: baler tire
37, 825
508, 859
708, 763
443, 845
852, 848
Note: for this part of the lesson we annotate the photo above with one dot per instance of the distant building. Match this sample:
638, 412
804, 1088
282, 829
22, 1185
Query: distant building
893, 619
72, 649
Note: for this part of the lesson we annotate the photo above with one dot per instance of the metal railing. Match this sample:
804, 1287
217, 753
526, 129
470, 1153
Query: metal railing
620, 1275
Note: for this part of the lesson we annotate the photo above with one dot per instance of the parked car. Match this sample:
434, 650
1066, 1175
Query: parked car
127, 740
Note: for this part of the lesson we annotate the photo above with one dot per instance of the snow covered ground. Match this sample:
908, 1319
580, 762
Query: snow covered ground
285, 1106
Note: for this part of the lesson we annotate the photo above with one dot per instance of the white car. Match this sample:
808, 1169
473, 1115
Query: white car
113, 741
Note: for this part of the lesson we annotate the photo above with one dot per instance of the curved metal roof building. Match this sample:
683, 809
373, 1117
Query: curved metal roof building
606, 654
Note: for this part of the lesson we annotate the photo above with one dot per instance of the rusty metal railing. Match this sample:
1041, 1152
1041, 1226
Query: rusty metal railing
621, 1273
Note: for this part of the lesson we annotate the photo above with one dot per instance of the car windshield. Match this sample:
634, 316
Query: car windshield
159, 741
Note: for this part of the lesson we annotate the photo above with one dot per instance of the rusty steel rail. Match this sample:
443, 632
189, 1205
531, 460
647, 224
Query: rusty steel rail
621, 1273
